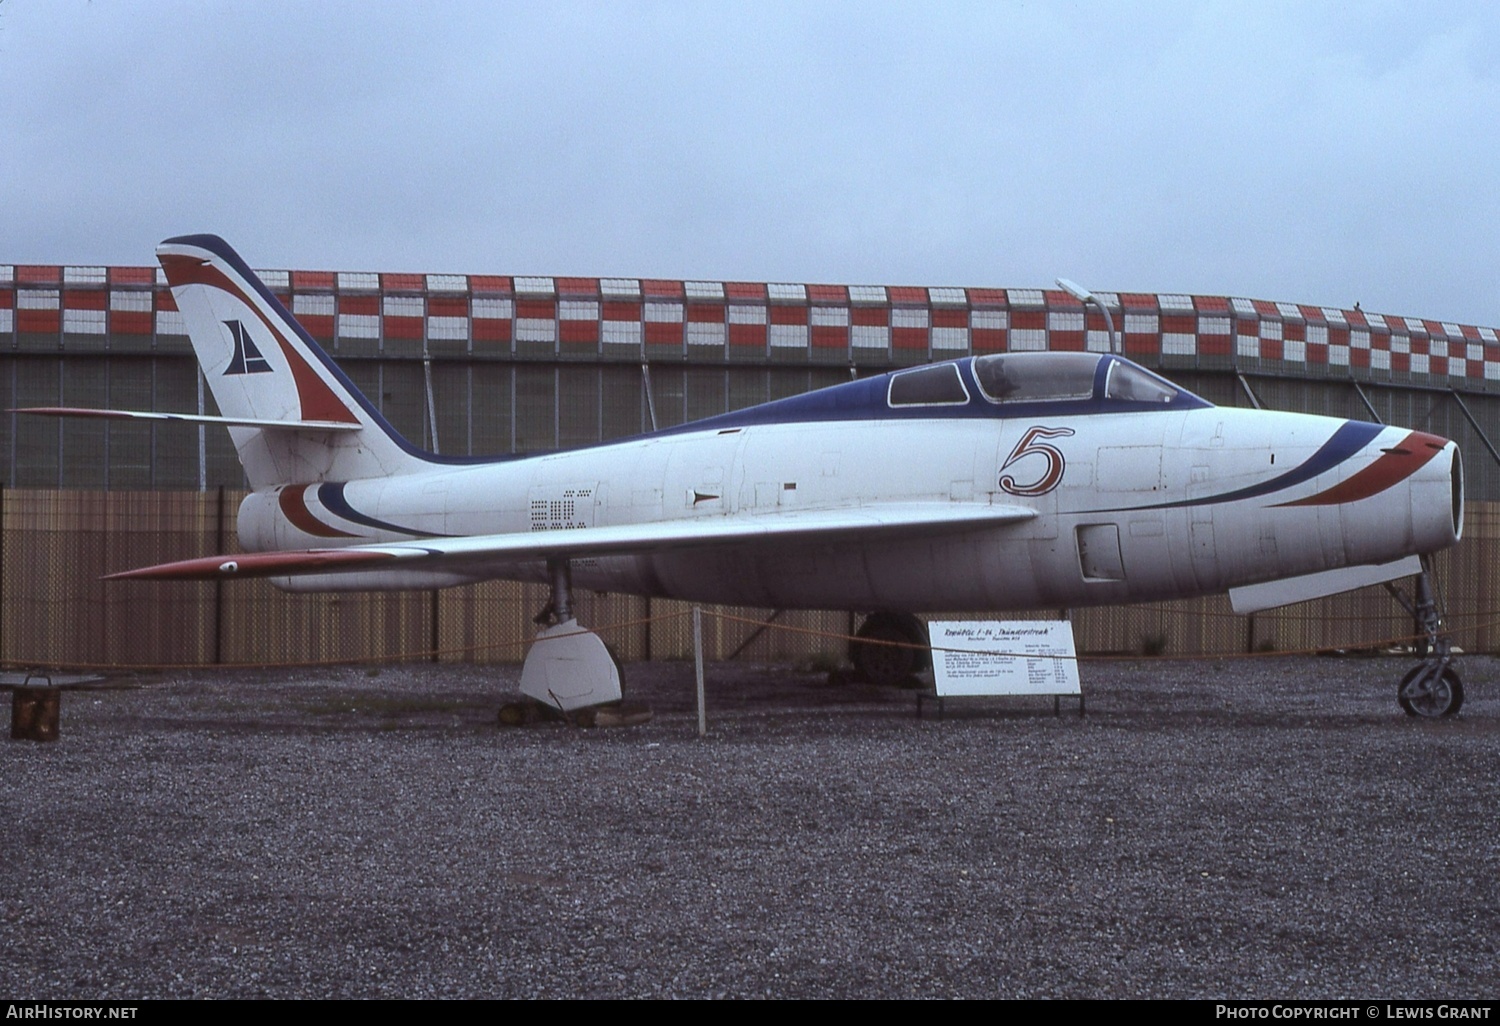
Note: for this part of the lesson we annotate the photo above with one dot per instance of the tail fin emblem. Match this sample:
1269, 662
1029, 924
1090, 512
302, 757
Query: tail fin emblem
247, 359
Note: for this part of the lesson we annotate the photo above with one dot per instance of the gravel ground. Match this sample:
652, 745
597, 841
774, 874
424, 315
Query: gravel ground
1271, 828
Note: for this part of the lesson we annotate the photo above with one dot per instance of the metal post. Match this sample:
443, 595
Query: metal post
698, 663
219, 583
150, 448
1368, 405
1254, 399
1464, 407
203, 444
560, 576
650, 399
3, 604
431, 404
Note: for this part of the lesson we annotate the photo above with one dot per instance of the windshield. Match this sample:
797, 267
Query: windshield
936, 385
1036, 377
1130, 383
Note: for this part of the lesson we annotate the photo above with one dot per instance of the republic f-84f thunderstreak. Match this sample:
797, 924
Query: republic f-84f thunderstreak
1003, 482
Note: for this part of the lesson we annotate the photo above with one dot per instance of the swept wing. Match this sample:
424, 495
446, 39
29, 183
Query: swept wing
833, 525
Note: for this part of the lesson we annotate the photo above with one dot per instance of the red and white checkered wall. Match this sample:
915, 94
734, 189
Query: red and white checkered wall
130, 309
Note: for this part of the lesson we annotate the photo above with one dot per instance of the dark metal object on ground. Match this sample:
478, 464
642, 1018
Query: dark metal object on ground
34, 713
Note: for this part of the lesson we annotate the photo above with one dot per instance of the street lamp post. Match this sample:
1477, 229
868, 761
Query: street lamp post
1086, 297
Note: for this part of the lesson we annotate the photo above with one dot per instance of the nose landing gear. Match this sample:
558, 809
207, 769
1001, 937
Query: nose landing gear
1432, 688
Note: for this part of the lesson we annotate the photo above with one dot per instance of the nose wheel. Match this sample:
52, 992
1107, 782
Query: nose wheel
1431, 689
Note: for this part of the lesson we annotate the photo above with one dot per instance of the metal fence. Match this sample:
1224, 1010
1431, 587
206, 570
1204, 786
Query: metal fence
54, 610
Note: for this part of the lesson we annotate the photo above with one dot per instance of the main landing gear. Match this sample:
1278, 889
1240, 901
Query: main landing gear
891, 648
569, 672
1432, 688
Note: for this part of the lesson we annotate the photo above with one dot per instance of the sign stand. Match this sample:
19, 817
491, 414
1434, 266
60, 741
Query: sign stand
976, 659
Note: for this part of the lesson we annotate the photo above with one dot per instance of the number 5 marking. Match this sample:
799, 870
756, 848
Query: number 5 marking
1029, 445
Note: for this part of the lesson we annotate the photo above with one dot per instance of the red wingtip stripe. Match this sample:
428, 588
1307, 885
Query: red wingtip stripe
254, 564
72, 411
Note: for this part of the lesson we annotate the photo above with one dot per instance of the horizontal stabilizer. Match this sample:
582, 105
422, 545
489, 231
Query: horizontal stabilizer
1254, 597
193, 418
918, 519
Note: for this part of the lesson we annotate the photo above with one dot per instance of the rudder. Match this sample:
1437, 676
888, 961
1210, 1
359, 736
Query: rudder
262, 365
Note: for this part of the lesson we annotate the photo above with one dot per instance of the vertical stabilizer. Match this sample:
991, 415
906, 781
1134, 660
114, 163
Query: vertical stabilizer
262, 365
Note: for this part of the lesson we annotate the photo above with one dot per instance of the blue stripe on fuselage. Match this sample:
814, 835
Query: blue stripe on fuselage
1349, 439
331, 495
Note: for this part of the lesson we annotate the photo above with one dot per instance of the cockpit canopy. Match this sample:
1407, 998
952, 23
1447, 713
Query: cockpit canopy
1005, 378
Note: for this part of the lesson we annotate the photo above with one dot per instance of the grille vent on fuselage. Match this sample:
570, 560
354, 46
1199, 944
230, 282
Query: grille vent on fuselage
568, 508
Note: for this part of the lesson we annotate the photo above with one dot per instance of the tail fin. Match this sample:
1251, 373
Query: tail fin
263, 366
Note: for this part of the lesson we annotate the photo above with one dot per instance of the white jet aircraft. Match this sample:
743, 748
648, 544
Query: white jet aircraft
1003, 482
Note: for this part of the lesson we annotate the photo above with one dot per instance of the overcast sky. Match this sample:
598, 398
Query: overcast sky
1317, 153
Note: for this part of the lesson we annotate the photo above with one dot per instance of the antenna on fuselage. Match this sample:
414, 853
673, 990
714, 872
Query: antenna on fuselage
1086, 297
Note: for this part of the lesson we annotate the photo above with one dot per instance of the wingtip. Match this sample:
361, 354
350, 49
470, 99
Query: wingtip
254, 564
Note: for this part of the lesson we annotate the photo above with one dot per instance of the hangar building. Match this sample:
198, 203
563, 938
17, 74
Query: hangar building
486, 364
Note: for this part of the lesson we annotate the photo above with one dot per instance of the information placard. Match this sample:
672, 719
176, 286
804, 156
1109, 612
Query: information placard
1003, 657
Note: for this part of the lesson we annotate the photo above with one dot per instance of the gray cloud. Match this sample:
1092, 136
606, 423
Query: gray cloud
1295, 152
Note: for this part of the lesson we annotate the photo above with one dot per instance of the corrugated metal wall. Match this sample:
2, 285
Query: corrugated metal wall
54, 546
521, 364
484, 407
530, 363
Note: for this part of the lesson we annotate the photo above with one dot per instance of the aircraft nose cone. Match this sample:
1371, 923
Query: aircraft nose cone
1437, 496
1456, 490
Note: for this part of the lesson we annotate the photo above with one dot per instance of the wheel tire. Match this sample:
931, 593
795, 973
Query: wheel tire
619, 666
1443, 700
512, 714
916, 633
890, 665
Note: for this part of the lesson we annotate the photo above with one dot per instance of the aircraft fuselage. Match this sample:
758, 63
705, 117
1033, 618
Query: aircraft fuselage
1129, 506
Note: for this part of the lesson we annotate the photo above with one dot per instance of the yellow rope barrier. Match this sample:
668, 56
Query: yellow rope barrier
430, 654
1209, 656
398, 657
